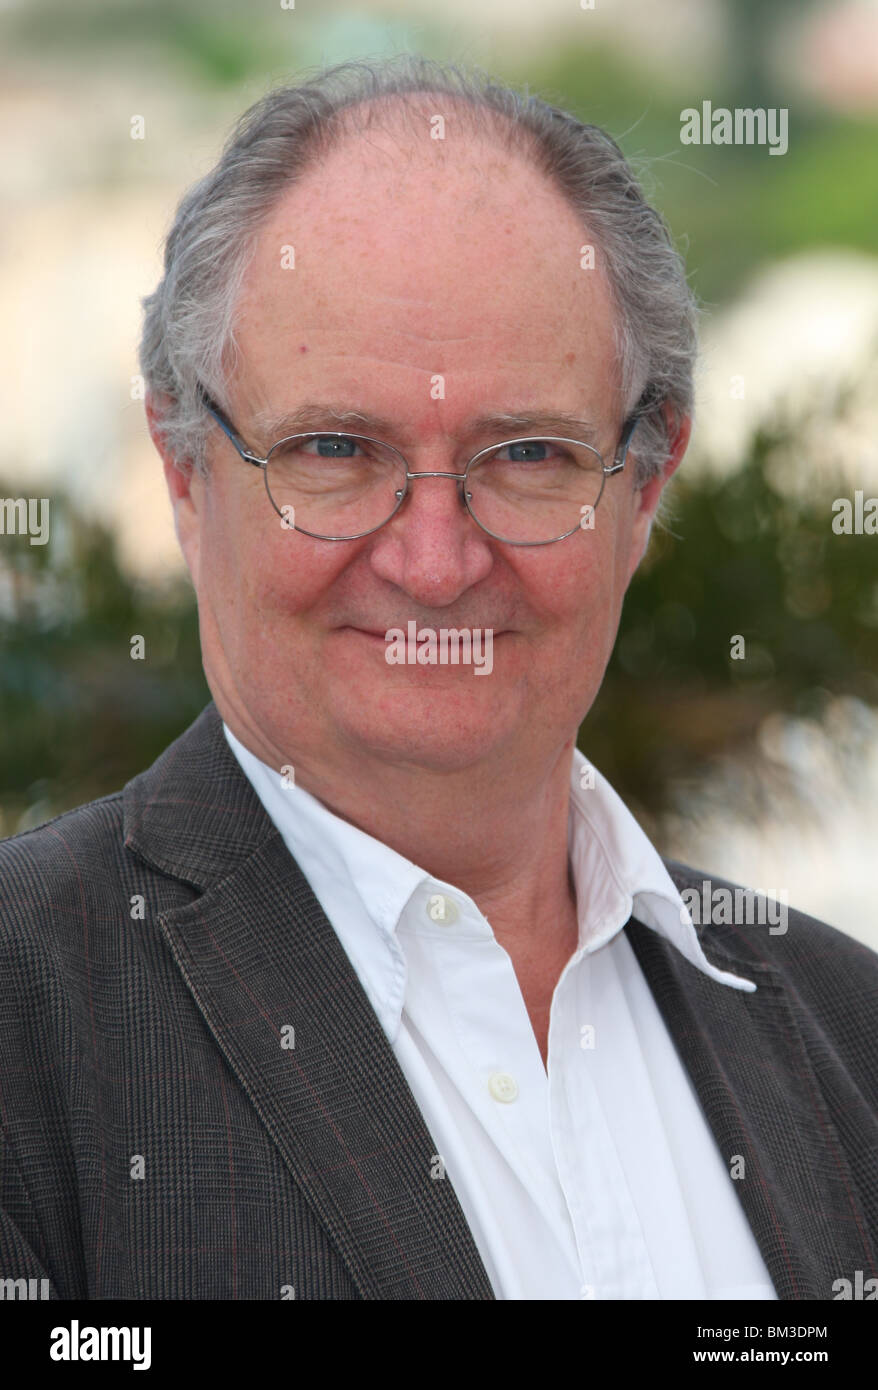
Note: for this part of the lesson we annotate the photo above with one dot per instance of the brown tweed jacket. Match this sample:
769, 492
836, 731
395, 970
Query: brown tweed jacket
158, 1140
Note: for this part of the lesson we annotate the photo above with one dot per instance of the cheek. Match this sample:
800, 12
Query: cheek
577, 604
292, 575
254, 566
580, 587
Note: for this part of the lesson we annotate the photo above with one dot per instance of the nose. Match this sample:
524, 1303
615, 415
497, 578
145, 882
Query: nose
432, 548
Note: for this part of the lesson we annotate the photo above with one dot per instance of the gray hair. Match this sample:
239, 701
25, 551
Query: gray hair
188, 331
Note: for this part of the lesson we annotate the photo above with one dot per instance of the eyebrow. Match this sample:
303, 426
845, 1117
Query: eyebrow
315, 415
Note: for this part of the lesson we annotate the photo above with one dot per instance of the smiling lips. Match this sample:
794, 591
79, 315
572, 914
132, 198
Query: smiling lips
369, 632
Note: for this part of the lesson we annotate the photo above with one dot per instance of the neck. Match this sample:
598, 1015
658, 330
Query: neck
498, 833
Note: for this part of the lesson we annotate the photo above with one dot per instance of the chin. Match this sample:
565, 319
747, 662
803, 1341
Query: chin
430, 732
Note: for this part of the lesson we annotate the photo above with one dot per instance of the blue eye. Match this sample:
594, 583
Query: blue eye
528, 451
331, 447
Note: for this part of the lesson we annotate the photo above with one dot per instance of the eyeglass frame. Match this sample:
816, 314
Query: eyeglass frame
247, 454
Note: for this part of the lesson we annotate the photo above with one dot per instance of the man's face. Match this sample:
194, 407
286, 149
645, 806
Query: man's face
459, 263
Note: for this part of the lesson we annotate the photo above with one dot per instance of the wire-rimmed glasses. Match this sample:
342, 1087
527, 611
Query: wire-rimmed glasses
335, 485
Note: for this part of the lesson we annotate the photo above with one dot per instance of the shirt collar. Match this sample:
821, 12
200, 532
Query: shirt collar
383, 879
620, 872
616, 870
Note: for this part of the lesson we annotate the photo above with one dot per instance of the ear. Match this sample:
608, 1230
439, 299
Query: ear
646, 498
186, 487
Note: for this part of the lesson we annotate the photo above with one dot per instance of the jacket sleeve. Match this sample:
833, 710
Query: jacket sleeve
41, 1091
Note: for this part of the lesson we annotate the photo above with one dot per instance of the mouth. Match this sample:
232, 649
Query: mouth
381, 635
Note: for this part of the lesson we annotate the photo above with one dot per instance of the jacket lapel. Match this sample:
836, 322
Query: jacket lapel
260, 958
748, 1063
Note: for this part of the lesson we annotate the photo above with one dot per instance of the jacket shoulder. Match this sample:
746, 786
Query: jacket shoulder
753, 924
68, 886
831, 978
56, 864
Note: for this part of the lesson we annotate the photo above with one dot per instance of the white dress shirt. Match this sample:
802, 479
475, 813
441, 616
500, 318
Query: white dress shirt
598, 1176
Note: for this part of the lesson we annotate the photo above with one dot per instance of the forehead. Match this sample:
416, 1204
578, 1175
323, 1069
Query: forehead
413, 256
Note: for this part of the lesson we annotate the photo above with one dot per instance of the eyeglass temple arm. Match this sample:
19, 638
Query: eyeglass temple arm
648, 401
227, 427
622, 451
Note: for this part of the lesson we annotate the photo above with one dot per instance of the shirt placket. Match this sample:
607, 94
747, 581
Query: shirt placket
612, 1250
496, 1066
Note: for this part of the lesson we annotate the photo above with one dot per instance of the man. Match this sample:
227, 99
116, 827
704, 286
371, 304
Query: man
371, 987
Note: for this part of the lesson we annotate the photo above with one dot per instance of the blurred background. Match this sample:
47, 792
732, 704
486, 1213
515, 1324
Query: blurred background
764, 770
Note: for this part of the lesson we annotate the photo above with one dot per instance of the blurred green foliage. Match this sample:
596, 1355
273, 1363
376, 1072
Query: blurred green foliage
79, 715
738, 558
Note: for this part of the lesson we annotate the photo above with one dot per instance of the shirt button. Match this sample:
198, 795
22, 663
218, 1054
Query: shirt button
503, 1087
442, 909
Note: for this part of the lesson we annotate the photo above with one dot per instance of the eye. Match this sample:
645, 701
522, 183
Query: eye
531, 451
331, 446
